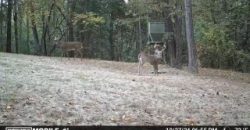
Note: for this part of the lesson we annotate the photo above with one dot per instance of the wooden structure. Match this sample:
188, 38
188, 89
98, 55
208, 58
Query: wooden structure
156, 31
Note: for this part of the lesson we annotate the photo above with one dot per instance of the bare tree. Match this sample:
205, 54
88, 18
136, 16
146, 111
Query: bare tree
111, 40
15, 24
46, 28
28, 33
174, 37
34, 28
72, 7
192, 52
1, 24
9, 17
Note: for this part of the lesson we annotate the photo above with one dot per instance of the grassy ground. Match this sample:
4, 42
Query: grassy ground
48, 90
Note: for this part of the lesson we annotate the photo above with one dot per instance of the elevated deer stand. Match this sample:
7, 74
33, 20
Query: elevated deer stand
156, 33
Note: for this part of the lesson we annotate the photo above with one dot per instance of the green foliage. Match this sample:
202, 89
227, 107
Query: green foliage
88, 21
216, 50
242, 61
221, 31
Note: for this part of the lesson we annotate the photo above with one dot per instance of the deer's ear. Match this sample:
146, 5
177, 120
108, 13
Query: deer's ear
164, 46
155, 46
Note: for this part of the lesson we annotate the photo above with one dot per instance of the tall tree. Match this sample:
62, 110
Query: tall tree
28, 32
9, 17
72, 6
174, 29
111, 40
46, 27
1, 24
20, 27
34, 27
192, 52
171, 41
178, 32
115, 10
15, 24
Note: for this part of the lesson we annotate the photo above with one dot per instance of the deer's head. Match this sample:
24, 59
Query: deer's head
159, 50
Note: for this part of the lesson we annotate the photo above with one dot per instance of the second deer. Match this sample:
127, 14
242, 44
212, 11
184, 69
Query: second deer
70, 46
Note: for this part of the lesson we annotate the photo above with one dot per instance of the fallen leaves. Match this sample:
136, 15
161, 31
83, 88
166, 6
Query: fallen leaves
191, 121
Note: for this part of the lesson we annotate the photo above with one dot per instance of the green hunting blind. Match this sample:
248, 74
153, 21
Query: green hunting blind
157, 32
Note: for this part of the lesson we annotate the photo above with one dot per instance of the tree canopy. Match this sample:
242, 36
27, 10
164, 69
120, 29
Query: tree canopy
117, 30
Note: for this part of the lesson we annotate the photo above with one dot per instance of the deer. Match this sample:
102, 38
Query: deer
154, 59
70, 46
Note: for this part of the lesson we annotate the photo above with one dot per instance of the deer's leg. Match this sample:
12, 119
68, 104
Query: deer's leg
79, 51
67, 54
140, 66
62, 55
81, 54
155, 68
75, 53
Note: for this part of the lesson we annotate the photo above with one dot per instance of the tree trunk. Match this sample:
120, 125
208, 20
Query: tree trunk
9, 14
111, 30
172, 52
246, 43
178, 37
43, 37
34, 29
20, 26
1, 24
121, 45
28, 34
135, 38
192, 52
70, 17
140, 39
15, 24
174, 40
47, 30
171, 41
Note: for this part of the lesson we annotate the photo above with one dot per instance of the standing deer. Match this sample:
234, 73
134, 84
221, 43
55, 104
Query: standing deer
70, 46
153, 59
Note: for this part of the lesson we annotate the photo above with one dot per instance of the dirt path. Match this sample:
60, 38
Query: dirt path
45, 91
